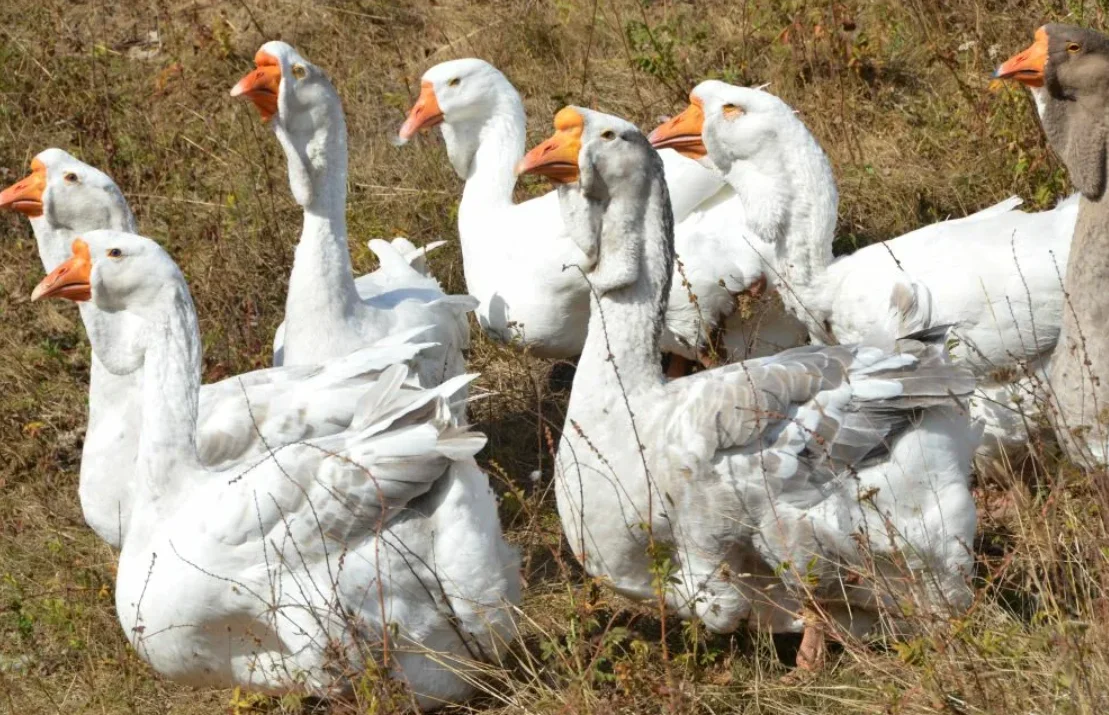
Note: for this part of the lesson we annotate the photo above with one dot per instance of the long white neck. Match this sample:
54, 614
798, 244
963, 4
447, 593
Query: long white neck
621, 352
790, 197
321, 286
170, 394
484, 153
53, 243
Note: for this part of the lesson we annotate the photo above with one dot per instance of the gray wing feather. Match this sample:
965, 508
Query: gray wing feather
808, 415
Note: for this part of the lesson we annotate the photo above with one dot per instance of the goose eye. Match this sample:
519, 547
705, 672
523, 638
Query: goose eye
115, 253
731, 111
1073, 47
608, 135
71, 177
454, 82
300, 71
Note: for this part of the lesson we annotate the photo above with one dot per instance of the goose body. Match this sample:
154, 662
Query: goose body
754, 480
996, 279
238, 417
325, 315
994, 276
523, 266
296, 570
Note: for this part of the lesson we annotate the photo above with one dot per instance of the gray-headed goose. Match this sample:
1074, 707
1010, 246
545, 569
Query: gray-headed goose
1067, 69
754, 480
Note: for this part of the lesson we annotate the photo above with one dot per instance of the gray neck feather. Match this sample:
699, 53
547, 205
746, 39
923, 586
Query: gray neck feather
1076, 130
630, 283
1079, 378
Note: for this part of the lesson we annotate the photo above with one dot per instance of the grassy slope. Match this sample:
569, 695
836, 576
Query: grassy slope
897, 91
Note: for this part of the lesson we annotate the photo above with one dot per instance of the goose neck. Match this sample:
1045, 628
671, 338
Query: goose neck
1088, 265
485, 154
1079, 132
170, 395
318, 180
622, 346
53, 243
322, 295
790, 199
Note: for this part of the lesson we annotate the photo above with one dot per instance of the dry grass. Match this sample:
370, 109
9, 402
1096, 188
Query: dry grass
897, 91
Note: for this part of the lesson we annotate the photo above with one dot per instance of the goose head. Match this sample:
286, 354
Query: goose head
68, 194
767, 155
298, 100
609, 179
461, 97
1067, 68
130, 278
113, 269
727, 123
605, 155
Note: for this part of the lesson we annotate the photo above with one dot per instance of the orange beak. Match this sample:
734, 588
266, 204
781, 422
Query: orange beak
683, 132
1028, 66
261, 86
69, 280
425, 113
557, 157
25, 196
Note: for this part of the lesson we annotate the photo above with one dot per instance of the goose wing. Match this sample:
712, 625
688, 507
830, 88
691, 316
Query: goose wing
800, 418
322, 496
250, 414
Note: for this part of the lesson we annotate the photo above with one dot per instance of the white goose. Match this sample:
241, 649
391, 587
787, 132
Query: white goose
325, 317
519, 260
755, 479
993, 276
239, 417
289, 571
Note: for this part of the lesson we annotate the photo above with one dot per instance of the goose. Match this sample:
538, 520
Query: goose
520, 263
993, 276
296, 570
1065, 69
324, 315
239, 416
756, 483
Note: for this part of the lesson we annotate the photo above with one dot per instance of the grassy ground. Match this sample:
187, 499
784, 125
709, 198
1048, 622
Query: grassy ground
897, 91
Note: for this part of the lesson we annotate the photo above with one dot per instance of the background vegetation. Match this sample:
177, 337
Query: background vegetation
898, 92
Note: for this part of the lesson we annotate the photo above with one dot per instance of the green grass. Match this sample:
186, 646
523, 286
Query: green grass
898, 92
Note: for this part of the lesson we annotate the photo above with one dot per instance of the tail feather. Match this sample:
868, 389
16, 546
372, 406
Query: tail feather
415, 256
392, 261
460, 304
1001, 207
